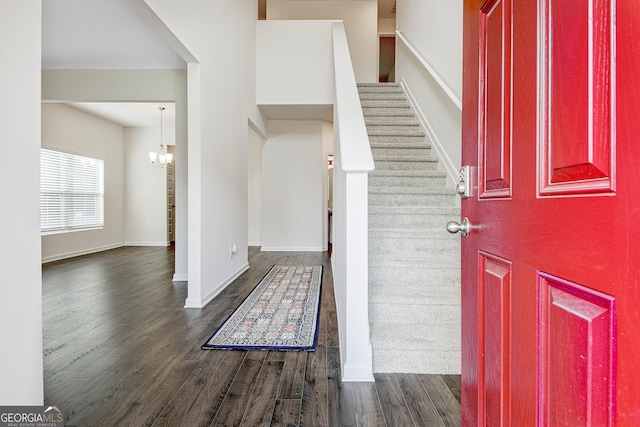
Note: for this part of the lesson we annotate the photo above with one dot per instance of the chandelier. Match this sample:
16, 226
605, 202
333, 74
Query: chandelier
164, 157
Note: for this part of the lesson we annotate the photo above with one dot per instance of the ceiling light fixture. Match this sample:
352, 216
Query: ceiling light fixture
164, 156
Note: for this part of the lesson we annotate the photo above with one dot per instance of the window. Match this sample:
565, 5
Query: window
71, 191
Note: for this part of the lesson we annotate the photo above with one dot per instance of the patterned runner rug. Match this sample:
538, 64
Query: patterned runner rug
281, 313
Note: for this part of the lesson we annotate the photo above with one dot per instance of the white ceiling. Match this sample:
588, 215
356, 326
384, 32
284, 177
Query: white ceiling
109, 34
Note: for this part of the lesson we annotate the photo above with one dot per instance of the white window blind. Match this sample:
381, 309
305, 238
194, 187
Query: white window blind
71, 191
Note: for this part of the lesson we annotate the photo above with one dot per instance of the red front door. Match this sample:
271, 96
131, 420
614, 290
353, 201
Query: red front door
551, 283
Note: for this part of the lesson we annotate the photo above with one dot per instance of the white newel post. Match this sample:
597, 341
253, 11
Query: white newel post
358, 365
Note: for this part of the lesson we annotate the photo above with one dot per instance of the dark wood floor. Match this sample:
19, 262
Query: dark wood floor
120, 349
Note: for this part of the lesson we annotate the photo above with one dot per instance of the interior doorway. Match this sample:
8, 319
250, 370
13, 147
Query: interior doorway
171, 198
387, 58
330, 201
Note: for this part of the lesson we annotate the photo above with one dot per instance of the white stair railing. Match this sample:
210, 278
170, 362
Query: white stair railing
352, 163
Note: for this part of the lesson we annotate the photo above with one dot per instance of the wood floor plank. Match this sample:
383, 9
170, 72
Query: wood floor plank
237, 398
329, 307
366, 404
340, 405
453, 382
214, 390
259, 411
149, 396
82, 397
444, 401
423, 411
394, 406
314, 410
292, 380
186, 396
286, 413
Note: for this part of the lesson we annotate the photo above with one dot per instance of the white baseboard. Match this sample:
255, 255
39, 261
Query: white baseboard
254, 244
147, 243
199, 303
66, 255
354, 373
292, 249
183, 277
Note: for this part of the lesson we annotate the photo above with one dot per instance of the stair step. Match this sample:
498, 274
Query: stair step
379, 87
418, 191
373, 139
446, 239
388, 112
405, 159
413, 290
399, 144
428, 278
409, 181
425, 211
373, 103
401, 150
405, 199
408, 173
413, 233
426, 349
411, 217
421, 314
427, 275
378, 176
386, 95
404, 165
419, 362
395, 131
419, 244
421, 267
390, 121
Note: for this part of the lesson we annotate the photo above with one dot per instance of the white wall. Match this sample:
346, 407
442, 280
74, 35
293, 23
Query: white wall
132, 86
255, 189
221, 88
145, 190
74, 131
21, 379
294, 63
361, 25
386, 26
293, 175
434, 29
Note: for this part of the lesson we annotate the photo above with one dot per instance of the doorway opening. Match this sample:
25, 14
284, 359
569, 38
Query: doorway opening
387, 59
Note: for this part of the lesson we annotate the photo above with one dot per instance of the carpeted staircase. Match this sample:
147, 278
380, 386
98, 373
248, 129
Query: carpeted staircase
414, 264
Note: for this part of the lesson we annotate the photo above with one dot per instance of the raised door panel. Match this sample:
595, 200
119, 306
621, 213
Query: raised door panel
494, 339
576, 332
577, 153
495, 100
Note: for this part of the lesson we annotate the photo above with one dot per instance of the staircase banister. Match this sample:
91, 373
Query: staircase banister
356, 152
353, 161
425, 64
